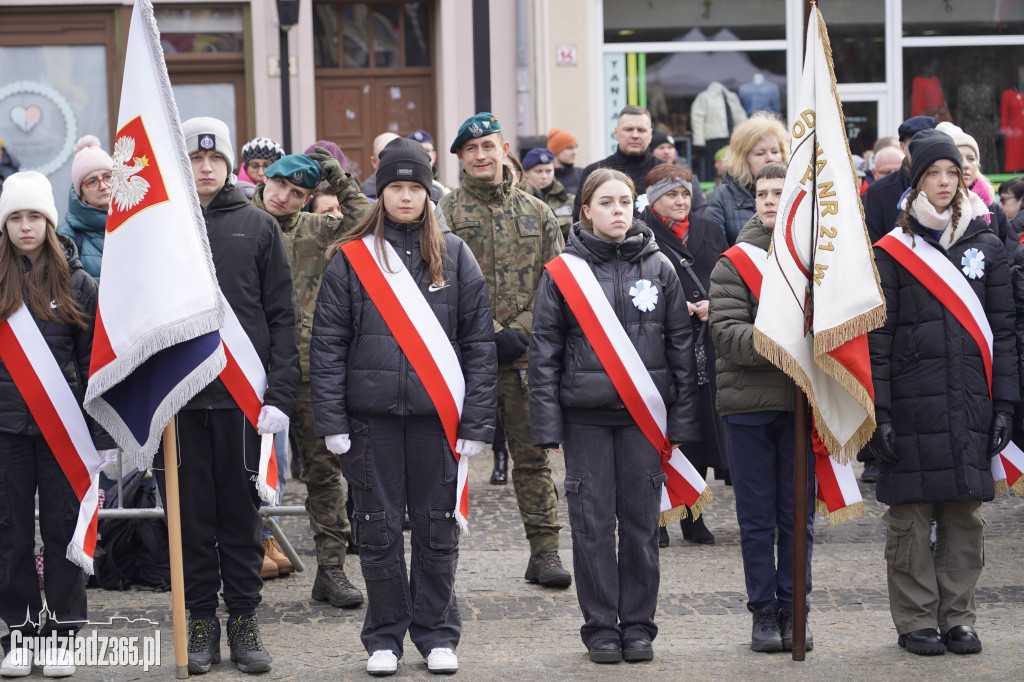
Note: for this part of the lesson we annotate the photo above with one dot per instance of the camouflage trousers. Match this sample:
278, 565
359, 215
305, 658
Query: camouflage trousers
325, 491
531, 470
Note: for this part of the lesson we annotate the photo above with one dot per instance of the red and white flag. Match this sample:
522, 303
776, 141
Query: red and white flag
837, 494
821, 295
57, 414
159, 309
424, 342
685, 488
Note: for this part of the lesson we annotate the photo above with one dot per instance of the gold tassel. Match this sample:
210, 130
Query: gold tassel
1001, 488
1018, 487
854, 511
679, 513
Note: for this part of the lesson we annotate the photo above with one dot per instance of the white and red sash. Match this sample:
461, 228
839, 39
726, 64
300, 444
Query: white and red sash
947, 284
685, 488
419, 334
837, 492
57, 413
246, 381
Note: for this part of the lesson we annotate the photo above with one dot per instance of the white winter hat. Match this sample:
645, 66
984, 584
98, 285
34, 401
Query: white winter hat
960, 138
27, 191
207, 134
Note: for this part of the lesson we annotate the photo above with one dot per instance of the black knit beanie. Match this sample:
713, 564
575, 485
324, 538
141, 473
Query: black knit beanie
927, 147
403, 159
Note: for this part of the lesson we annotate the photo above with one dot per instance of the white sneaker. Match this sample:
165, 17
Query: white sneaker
382, 662
442, 660
59, 662
18, 663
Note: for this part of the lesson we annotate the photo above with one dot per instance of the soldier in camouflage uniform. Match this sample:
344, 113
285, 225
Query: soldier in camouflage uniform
539, 170
290, 183
512, 234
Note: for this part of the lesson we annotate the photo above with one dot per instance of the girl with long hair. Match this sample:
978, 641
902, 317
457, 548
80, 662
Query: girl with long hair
41, 271
377, 402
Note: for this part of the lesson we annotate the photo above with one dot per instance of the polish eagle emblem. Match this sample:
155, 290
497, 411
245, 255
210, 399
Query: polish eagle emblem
129, 189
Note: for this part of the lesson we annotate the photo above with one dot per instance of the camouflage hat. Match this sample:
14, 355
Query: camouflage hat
298, 169
477, 125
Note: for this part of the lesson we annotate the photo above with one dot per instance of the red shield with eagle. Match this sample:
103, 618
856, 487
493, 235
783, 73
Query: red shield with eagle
136, 183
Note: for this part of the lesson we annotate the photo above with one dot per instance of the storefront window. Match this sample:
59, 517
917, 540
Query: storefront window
208, 99
325, 36
980, 88
378, 35
962, 17
52, 95
856, 31
628, 21
185, 31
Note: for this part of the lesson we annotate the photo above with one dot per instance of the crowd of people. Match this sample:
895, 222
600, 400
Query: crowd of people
377, 305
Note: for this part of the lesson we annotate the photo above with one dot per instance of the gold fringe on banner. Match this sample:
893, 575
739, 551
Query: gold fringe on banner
854, 511
679, 513
1000, 487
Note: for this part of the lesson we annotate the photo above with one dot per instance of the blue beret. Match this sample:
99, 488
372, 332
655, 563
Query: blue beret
421, 136
298, 169
477, 125
537, 155
914, 125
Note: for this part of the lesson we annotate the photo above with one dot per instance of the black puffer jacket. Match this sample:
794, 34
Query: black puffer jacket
730, 207
71, 346
253, 272
356, 364
636, 166
567, 380
881, 203
930, 381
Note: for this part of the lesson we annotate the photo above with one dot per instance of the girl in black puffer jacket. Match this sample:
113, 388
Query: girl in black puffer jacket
41, 271
375, 411
941, 417
613, 472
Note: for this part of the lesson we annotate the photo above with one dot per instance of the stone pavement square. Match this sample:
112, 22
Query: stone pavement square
514, 630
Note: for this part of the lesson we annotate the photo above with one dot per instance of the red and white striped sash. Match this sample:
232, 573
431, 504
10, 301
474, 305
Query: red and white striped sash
404, 308
57, 413
837, 492
947, 284
246, 381
685, 488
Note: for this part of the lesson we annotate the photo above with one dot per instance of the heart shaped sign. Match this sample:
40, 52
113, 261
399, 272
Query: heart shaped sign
26, 118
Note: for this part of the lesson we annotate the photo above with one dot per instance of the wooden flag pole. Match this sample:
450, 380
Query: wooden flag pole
801, 436
173, 511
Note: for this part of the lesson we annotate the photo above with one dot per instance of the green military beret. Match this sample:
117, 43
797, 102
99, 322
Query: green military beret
477, 125
298, 169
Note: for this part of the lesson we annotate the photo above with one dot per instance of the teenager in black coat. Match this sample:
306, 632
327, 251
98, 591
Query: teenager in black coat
693, 246
939, 420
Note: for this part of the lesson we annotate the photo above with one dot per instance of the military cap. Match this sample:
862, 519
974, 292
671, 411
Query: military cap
298, 169
421, 136
537, 155
914, 125
477, 125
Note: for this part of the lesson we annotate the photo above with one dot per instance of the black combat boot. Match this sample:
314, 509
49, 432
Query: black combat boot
332, 585
546, 569
696, 531
246, 646
500, 474
765, 635
203, 644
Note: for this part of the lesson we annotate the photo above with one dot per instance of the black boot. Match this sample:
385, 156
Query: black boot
203, 644
765, 635
247, 646
662, 536
696, 531
500, 474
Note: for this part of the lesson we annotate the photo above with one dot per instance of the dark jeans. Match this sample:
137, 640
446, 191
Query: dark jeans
761, 465
27, 464
613, 473
397, 462
220, 522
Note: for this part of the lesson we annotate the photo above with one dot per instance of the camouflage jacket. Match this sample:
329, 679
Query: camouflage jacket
512, 234
307, 236
561, 202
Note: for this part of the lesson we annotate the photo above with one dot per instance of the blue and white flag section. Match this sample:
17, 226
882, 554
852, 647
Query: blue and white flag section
157, 342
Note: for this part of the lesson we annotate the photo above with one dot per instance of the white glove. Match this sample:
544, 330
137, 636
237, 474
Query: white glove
107, 457
339, 444
272, 420
468, 448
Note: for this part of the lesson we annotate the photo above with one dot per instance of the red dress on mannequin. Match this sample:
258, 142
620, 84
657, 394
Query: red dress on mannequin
1011, 125
926, 93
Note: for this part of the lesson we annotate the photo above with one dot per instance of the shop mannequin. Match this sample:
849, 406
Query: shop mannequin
1011, 124
714, 115
976, 109
760, 95
926, 91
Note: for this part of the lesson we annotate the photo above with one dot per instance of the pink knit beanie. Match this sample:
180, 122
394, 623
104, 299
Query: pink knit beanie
89, 157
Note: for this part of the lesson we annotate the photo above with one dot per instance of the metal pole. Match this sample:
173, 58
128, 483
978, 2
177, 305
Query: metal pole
286, 546
286, 98
482, 54
801, 436
174, 539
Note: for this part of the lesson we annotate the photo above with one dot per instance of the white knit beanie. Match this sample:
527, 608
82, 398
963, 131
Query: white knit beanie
206, 134
27, 191
960, 138
89, 157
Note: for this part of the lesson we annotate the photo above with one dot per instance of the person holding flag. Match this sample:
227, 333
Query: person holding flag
47, 308
219, 445
755, 399
610, 354
403, 373
946, 382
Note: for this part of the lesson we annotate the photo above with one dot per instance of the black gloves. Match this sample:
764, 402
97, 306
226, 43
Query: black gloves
511, 345
883, 443
999, 434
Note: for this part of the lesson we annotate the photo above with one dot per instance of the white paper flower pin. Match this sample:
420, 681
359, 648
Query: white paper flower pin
645, 295
974, 263
641, 203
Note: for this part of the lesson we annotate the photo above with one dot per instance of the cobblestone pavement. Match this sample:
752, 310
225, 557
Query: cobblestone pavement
514, 630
